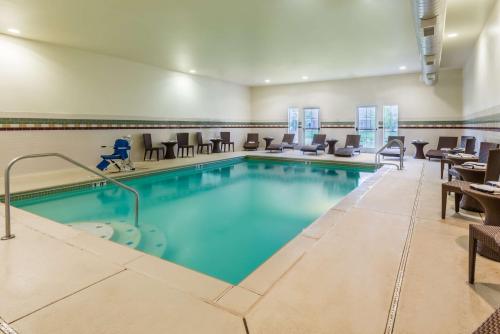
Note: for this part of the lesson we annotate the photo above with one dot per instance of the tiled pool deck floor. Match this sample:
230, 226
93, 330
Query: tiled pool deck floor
338, 276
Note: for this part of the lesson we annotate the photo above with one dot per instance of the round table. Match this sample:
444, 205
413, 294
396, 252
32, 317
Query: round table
456, 161
331, 145
491, 205
268, 141
419, 146
216, 145
169, 149
473, 175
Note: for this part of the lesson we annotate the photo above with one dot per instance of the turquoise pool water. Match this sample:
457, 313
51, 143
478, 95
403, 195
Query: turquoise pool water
222, 219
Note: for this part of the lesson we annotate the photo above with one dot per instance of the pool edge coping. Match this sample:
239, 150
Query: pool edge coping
364, 186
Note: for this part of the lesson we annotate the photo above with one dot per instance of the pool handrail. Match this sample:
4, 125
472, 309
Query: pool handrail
8, 235
389, 144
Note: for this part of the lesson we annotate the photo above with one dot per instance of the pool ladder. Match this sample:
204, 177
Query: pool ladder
8, 235
401, 154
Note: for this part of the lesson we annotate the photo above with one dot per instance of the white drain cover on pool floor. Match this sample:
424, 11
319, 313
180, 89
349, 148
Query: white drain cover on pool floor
101, 230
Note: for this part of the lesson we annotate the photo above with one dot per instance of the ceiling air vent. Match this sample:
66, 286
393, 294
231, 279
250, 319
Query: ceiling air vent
429, 16
429, 31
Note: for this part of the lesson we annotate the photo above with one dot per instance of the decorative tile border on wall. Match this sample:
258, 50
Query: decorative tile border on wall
25, 124
336, 125
488, 123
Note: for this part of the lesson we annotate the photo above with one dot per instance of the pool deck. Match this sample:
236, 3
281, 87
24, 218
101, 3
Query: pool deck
382, 260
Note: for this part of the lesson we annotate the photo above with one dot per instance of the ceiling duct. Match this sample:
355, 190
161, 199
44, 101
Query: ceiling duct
429, 18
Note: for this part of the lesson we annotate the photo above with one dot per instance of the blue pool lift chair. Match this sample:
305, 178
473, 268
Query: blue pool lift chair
120, 157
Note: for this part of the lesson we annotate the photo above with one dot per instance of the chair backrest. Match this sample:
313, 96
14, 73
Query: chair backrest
447, 142
470, 145
484, 150
199, 138
226, 137
401, 138
288, 138
463, 140
319, 139
147, 141
252, 137
493, 166
352, 140
182, 138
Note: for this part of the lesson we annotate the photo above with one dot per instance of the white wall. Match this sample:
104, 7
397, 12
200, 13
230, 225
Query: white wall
40, 78
482, 78
48, 81
338, 100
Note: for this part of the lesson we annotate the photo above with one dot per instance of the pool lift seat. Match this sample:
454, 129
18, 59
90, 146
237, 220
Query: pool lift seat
120, 157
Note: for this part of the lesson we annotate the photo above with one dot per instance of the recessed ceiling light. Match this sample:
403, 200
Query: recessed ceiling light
14, 31
305, 77
192, 71
402, 68
267, 81
452, 35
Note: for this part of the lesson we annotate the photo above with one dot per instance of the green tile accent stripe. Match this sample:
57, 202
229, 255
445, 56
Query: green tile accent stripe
491, 122
337, 124
19, 124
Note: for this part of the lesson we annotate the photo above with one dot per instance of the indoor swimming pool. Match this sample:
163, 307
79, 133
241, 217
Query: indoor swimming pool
223, 219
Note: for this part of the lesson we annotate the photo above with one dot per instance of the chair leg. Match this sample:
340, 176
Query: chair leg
178, 148
472, 257
233, 147
444, 198
458, 198
145, 154
150, 154
157, 155
442, 168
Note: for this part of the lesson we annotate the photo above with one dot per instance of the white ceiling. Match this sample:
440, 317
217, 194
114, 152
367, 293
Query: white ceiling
247, 41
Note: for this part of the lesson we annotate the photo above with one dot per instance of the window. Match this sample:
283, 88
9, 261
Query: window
293, 123
391, 121
367, 126
311, 124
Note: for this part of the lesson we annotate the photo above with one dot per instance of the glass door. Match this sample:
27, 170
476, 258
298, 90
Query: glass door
391, 121
367, 126
311, 124
293, 123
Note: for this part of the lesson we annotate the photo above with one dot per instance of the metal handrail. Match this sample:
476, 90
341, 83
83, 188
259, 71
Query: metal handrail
401, 153
8, 235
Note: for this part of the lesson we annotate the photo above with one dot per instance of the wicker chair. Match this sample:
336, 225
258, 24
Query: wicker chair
491, 325
352, 145
252, 142
393, 150
488, 236
469, 146
201, 144
484, 151
318, 144
455, 186
468, 143
183, 143
148, 147
226, 141
443, 142
286, 142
